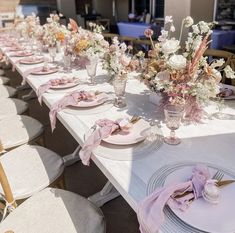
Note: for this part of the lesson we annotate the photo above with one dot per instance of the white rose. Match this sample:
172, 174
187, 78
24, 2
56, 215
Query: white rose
163, 76
188, 21
168, 19
170, 46
177, 62
229, 73
195, 29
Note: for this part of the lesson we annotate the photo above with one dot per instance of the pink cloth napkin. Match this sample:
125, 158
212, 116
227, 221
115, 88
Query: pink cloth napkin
53, 82
14, 65
150, 211
28, 72
106, 128
71, 99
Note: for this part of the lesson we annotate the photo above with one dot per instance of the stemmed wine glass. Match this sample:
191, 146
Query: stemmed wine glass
91, 68
173, 116
52, 53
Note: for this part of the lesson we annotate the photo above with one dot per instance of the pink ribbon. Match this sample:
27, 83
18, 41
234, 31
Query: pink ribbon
71, 99
106, 128
42, 89
14, 65
150, 211
53, 82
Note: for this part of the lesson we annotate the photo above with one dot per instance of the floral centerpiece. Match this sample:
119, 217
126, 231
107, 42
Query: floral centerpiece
54, 32
86, 43
183, 74
117, 60
29, 27
119, 63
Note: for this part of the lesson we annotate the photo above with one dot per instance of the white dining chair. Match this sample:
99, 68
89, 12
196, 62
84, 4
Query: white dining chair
4, 80
51, 210
11, 107
7, 91
32, 168
18, 130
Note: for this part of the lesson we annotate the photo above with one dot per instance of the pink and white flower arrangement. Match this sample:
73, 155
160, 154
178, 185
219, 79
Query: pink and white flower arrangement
86, 43
182, 73
28, 27
53, 31
117, 60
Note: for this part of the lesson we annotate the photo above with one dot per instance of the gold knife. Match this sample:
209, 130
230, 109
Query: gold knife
224, 182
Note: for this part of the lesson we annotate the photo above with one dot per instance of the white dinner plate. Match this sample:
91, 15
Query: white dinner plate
136, 134
66, 85
31, 61
44, 72
217, 218
16, 49
100, 99
22, 54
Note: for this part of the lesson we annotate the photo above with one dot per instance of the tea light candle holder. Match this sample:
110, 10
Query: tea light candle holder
211, 192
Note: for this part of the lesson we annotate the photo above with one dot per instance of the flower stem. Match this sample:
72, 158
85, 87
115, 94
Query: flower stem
151, 40
181, 30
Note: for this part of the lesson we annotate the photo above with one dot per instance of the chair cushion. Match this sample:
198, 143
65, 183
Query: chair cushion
18, 130
2, 72
30, 169
4, 80
57, 211
6, 91
11, 107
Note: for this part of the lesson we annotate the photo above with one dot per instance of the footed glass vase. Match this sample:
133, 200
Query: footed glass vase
119, 85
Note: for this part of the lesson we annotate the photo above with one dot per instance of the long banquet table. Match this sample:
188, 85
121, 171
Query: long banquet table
210, 142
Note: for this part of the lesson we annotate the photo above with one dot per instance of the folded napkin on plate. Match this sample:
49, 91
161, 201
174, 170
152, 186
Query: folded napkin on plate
150, 211
71, 99
53, 82
105, 128
225, 92
36, 69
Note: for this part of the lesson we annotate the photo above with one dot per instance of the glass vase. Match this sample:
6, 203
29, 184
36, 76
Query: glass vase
91, 68
119, 85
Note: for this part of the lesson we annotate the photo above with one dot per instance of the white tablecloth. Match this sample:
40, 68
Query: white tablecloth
211, 141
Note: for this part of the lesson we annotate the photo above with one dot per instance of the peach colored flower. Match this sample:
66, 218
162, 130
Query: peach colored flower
81, 45
60, 36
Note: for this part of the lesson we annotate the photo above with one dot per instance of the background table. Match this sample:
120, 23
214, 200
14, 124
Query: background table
221, 38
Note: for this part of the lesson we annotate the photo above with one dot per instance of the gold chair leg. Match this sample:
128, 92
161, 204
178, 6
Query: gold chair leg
41, 140
26, 112
61, 182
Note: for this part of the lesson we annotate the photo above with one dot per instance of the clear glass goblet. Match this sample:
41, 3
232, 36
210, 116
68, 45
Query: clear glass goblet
67, 62
173, 116
91, 68
39, 47
119, 85
52, 53
220, 106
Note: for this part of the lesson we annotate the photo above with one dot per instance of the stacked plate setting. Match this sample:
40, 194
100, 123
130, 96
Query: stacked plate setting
201, 216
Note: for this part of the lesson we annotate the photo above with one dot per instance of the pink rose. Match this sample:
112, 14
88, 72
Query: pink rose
148, 32
151, 53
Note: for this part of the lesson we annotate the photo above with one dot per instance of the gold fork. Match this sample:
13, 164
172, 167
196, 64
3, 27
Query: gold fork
135, 119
